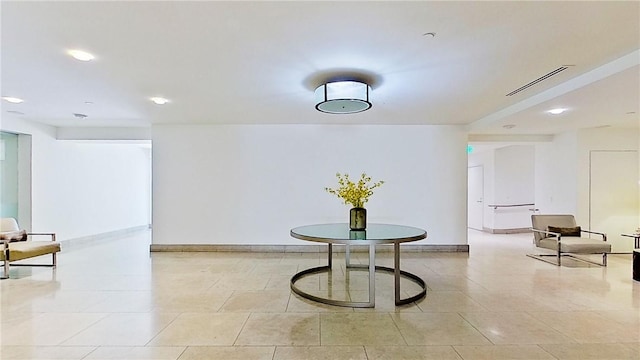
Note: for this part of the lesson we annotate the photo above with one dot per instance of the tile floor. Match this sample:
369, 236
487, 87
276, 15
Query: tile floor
115, 300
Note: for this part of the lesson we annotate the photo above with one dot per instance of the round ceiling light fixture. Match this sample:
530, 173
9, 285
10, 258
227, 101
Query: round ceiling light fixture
343, 97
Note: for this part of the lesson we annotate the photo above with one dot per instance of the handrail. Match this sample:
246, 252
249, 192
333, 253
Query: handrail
495, 207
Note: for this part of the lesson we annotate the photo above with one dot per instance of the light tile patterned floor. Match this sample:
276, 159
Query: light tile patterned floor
115, 300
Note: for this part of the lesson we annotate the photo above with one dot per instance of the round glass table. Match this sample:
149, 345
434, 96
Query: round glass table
375, 234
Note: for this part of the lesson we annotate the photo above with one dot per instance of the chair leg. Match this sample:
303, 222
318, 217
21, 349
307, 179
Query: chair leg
5, 251
54, 260
6, 269
558, 260
579, 258
542, 257
559, 256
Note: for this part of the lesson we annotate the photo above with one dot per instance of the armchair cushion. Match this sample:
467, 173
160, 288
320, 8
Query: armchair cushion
576, 245
28, 249
566, 231
8, 224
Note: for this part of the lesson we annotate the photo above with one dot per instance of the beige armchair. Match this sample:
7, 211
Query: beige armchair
561, 234
17, 245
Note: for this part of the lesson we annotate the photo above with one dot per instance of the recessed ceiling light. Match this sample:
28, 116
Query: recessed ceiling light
159, 100
81, 55
557, 111
13, 100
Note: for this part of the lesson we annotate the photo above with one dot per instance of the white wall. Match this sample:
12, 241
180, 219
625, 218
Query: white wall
514, 174
514, 184
598, 139
508, 180
250, 184
82, 189
562, 168
556, 175
486, 159
564, 181
9, 175
562, 173
608, 202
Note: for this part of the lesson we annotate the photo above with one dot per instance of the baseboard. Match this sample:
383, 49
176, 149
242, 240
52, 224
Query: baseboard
102, 237
301, 248
507, 231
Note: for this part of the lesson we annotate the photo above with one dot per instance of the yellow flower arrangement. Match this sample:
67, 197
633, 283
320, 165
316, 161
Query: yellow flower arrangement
352, 193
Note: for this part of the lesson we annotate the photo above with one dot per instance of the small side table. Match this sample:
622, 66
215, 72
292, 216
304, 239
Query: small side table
636, 238
636, 265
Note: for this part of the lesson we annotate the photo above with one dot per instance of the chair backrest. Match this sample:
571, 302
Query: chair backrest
541, 222
8, 224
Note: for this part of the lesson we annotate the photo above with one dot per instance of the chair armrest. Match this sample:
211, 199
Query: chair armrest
604, 236
11, 236
53, 235
552, 234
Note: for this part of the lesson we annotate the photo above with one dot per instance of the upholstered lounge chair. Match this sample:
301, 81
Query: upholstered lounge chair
17, 245
561, 234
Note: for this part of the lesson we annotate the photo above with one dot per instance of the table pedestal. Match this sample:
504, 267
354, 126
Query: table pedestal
636, 265
397, 273
375, 234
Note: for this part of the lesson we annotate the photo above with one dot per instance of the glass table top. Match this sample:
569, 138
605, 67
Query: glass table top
340, 233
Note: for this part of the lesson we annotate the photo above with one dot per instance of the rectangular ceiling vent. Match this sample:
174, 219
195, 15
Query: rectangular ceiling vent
541, 78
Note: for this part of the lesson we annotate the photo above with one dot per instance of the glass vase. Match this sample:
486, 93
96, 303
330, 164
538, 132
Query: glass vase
358, 218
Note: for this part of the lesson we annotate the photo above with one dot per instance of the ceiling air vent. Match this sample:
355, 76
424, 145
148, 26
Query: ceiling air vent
541, 78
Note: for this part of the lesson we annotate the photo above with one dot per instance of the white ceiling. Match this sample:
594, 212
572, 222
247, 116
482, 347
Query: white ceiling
258, 62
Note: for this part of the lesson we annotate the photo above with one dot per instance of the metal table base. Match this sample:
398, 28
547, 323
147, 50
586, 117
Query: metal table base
397, 273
